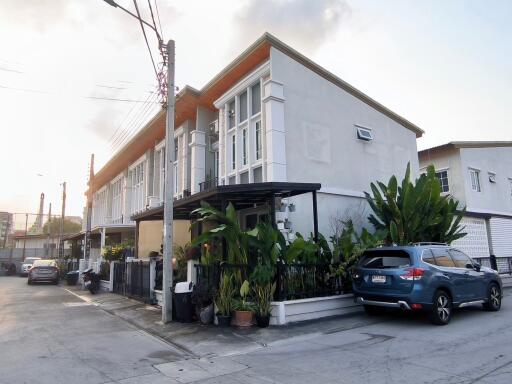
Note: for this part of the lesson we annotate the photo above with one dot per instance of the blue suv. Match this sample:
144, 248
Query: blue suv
429, 277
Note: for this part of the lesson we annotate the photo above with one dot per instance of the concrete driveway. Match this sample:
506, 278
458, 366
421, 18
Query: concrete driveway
48, 335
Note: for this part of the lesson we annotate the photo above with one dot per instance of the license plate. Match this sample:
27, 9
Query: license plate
378, 279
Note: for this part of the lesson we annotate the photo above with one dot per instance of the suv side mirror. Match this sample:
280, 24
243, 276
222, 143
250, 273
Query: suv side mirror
477, 267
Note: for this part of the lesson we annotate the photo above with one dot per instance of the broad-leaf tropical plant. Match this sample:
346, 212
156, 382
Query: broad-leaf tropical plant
227, 227
415, 212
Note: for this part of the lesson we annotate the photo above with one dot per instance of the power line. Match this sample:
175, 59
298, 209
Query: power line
80, 96
133, 125
140, 106
122, 122
145, 38
158, 17
144, 117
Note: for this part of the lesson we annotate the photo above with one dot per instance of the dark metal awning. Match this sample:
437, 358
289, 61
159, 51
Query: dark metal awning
240, 195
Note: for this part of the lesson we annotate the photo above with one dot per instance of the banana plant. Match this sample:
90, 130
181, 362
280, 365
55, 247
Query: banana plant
414, 212
227, 227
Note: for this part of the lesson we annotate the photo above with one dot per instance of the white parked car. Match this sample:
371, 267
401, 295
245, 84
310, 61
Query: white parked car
27, 264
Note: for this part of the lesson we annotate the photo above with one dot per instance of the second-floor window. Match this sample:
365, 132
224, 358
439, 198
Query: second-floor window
474, 176
233, 152
443, 180
244, 146
510, 186
258, 140
137, 184
117, 201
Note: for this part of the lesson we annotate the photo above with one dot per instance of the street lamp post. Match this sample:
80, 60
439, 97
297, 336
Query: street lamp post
168, 57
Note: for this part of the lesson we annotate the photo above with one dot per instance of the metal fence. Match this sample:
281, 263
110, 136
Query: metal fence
133, 279
503, 264
293, 281
301, 281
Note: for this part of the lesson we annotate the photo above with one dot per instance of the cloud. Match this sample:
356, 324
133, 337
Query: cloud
305, 24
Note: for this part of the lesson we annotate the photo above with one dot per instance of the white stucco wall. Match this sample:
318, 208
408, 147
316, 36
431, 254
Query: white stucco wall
448, 160
494, 197
322, 145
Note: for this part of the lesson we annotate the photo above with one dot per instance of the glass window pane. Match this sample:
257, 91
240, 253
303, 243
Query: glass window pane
258, 175
231, 114
244, 146
258, 140
256, 98
460, 259
428, 257
442, 258
244, 178
243, 106
233, 152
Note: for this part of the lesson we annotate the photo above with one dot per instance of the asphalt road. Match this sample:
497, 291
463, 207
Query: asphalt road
48, 335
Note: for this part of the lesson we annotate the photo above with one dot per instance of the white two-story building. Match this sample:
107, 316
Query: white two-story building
269, 132
479, 175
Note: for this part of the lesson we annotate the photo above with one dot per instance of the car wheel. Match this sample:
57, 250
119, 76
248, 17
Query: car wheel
373, 310
442, 308
493, 303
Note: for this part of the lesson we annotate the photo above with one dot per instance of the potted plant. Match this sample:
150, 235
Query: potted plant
243, 309
264, 288
224, 300
263, 296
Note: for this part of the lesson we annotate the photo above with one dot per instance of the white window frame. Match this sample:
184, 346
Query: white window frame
258, 147
447, 178
245, 146
116, 185
510, 185
233, 152
364, 133
137, 175
474, 180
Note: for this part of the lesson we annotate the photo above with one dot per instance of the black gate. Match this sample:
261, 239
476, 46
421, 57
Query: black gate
132, 279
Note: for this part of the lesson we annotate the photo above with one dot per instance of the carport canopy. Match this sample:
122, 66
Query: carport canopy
240, 195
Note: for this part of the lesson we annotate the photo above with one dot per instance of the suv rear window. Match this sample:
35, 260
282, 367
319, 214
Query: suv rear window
385, 259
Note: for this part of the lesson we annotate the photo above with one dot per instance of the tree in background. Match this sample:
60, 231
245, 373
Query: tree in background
415, 212
54, 226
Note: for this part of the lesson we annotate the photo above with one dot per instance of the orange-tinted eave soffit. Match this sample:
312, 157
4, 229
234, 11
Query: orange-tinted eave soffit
186, 105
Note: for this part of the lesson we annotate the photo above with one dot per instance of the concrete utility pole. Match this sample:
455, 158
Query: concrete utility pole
49, 230
25, 237
87, 238
61, 245
169, 190
166, 89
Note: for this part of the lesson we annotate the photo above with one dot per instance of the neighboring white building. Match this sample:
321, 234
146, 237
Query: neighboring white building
272, 115
479, 175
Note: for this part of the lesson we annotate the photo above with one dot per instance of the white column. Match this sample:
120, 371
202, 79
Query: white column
273, 103
198, 159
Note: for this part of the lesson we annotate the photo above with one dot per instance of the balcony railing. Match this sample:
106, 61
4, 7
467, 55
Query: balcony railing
208, 184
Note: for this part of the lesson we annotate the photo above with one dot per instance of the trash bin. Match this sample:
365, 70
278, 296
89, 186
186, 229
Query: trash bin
72, 277
183, 301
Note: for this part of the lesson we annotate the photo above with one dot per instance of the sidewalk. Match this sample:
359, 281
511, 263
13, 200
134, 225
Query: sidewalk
196, 340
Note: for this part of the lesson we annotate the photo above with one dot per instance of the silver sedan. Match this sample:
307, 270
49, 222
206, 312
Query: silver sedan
43, 271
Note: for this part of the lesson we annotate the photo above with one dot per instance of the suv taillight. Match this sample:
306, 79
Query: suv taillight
412, 274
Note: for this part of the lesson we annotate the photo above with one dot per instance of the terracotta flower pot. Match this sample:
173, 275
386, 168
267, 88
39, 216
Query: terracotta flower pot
243, 319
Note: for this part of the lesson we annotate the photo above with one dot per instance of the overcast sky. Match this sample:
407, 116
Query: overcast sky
444, 65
